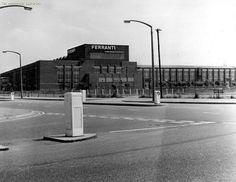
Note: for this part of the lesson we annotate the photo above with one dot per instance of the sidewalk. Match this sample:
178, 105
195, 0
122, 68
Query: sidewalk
135, 101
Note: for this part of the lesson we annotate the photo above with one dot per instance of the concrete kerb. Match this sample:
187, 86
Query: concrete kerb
65, 139
141, 102
98, 101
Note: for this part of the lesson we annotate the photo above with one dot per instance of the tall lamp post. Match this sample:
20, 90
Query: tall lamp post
159, 60
153, 78
21, 80
20, 6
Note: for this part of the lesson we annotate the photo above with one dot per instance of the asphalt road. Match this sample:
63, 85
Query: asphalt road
172, 142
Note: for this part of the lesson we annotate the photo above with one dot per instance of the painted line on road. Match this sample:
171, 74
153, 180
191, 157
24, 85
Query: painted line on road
139, 129
55, 114
213, 113
32, 114
230, 123
159, 128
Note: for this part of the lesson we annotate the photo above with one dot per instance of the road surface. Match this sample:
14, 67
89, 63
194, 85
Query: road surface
172, 142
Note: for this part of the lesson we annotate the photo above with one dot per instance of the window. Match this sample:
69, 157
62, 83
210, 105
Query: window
166, 74
76, 74
186, 75
173, 75
210, 76
216, 74
118, 70
179, 74
60, 74
192, 75
68, 74
221, 74
232, 74
146, 73
204, 74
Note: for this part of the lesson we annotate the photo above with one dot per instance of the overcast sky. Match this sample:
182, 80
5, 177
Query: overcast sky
194, 32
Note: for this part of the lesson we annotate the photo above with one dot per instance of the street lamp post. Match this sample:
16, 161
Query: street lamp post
20, 6
159, 60
21, 79
153, 78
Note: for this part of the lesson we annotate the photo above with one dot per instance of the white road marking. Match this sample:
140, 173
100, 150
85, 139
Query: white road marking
133, 130
91, 116
230, 123
128, 118
183, 121
170, 121
156, 128
104, 117
55, 114
32, 114
142, 119
114, 117
214, 113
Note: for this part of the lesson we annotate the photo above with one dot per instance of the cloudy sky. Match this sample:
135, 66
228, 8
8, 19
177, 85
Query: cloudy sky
194, 32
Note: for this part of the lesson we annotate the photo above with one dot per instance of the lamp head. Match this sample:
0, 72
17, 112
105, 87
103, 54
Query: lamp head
4, 51
27, 8
127, 21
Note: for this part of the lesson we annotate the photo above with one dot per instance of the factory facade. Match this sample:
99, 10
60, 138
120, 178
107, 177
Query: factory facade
95, 66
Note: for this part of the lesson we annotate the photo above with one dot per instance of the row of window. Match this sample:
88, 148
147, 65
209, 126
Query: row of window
111, 69
115, 79
192, 74
68, 76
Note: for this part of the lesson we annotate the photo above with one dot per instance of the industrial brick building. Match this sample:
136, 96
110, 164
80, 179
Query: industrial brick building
95, 66
87, 66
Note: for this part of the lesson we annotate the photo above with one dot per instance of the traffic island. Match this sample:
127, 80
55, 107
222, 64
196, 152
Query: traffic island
67, 139
3, 148
73, 102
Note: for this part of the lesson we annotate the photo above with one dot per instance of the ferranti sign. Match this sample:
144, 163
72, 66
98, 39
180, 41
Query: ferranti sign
103, 47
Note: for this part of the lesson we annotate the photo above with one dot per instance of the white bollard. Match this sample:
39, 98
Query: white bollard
12, 96
157, 98
84, 95
74, 114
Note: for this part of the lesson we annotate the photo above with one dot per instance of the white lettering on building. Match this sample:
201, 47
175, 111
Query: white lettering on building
103, 47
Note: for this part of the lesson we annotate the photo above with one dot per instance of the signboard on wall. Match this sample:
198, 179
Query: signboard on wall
99, 51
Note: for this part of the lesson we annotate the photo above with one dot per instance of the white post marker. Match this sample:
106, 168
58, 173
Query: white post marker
12, 96
157, 97
95, 92
74, 113
136, 91
73, 102
84, 95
